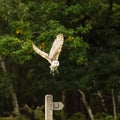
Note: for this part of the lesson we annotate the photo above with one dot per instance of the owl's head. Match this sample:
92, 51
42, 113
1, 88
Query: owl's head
54, 66
55, 63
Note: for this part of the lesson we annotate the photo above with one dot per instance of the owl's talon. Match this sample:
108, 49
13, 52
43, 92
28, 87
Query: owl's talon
57, 71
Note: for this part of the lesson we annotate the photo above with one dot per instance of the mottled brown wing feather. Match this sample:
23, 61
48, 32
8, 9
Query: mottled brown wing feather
41, 53
56, 47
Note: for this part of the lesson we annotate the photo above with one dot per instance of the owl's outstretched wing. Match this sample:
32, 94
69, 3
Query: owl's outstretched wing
56, 47
41, 53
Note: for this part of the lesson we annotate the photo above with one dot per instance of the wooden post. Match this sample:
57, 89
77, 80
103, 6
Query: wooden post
48, 107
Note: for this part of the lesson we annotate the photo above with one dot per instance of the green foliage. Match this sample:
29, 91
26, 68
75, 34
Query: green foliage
103, 116
79, 52
13, 47
38, 114
77, 116
24, 54
9, 118
21, 29
22, 117
90, 58
8, 44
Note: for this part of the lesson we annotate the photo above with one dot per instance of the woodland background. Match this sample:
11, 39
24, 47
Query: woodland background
88, 82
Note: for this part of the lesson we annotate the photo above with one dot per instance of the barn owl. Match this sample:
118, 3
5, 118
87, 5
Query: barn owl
54, 53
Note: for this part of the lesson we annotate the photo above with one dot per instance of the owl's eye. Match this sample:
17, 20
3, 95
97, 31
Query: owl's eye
56, 62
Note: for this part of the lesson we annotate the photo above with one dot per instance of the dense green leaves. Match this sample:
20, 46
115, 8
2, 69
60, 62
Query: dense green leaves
12, 47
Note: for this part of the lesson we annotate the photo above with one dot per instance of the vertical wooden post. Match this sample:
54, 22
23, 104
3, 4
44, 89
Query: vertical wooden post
48, 107
114, 105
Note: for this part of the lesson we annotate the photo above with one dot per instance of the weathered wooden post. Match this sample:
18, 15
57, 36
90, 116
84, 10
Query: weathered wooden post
50, 106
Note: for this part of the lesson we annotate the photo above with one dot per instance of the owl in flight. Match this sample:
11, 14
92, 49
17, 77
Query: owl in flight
54, 53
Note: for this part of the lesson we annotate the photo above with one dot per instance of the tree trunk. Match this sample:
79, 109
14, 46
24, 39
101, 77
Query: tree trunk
14, 100
86, 105
63, 116
102, 100
11, 89
114, 105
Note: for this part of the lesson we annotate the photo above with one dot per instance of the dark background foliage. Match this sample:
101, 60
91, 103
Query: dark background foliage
89, 61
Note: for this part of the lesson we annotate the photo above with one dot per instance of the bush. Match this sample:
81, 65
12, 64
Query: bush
77, 116
21, 117
103, 116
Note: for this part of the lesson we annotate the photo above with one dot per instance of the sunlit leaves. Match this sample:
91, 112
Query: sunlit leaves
24, 54
13, 47
74, 9
78, 50
83, 29
8, 44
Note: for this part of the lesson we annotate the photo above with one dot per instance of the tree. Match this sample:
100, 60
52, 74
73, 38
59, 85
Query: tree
12, 49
